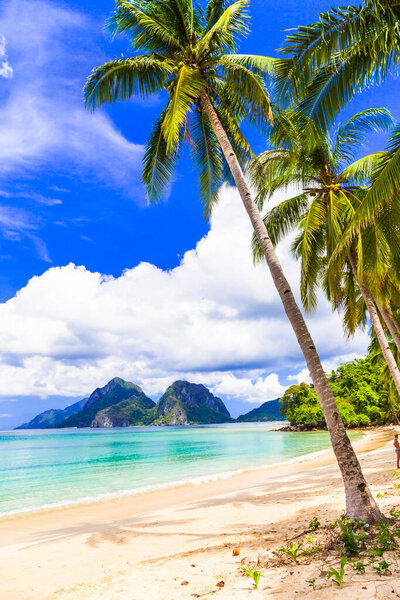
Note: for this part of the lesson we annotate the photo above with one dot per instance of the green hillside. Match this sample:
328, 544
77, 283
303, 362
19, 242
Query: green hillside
269, 411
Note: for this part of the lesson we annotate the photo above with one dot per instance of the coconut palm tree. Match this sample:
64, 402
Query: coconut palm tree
324, 64
191, 54
330, 194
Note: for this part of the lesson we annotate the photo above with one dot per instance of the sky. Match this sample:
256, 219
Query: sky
94, 282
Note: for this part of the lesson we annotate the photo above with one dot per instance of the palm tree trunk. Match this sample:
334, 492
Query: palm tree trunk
380, 333
390, 325
360, 504
394, 319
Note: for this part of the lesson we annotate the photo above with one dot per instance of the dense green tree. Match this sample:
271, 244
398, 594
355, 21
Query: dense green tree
190, 53
361, 395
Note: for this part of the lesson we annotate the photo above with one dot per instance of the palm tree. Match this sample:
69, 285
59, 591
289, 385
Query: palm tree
191, 53
327, 62
330, 194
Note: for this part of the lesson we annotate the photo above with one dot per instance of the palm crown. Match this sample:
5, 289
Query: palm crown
327, 62
188, 50
331, 184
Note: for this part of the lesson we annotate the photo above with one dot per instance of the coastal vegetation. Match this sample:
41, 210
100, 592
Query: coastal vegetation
361, 397
190, 52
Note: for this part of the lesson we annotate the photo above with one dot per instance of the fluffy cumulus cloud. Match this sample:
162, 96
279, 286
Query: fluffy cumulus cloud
42, 120
214, 319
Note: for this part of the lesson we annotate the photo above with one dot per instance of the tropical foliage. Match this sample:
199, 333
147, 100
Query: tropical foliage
324, 64
361, 396
331, 186
188, 49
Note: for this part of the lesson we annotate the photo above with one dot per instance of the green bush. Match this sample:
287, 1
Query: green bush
360, 393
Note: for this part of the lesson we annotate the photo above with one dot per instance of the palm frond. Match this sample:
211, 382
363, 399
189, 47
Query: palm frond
122, 78
252, 89
207, 157
262, 65
186, 89
232, 23
360, 171
215, 9
158, 164
280, 221
352, 134
385, 186
149, 25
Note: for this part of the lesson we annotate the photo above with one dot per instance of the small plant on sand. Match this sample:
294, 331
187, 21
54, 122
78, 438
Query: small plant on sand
255, 575
395, 473
352, 538
313, 543
292, 550
397, 485
338, 574
382, 568
394, 513
357, 565
384, 538
375, 553
311, 583
314, 524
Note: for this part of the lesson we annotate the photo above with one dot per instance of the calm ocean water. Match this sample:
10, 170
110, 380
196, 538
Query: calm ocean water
53, 467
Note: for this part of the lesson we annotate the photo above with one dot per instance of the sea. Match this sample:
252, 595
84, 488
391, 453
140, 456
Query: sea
45, 468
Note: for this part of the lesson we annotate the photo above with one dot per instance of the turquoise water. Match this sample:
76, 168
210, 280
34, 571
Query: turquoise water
52, 467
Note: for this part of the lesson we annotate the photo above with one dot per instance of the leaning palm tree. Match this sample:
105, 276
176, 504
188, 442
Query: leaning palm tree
325, 63
330, 193
191, 54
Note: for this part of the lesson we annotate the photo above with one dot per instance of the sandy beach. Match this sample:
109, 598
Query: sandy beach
177, 543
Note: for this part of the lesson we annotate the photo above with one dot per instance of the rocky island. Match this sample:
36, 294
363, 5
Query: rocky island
121, 403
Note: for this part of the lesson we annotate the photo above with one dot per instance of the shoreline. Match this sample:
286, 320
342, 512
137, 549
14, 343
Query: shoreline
207, 485
200, 480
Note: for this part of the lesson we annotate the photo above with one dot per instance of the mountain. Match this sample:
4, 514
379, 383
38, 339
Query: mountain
121, 404
116, 391
269, 411
134, 411
184, 403
53, 416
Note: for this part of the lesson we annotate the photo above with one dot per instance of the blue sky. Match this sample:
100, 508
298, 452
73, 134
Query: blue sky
70, 192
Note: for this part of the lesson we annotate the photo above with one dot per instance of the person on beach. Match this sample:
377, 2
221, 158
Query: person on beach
397, 449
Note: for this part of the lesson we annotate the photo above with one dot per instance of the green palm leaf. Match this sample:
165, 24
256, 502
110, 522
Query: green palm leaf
187, 87
352, 135
232, 22
122, 78
207, 157
158, 164
150, 25
360, 171
280, 221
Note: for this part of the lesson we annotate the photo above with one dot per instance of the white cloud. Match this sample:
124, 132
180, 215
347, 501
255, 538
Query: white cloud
5, 70
328, 365
43, 122
213, 319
